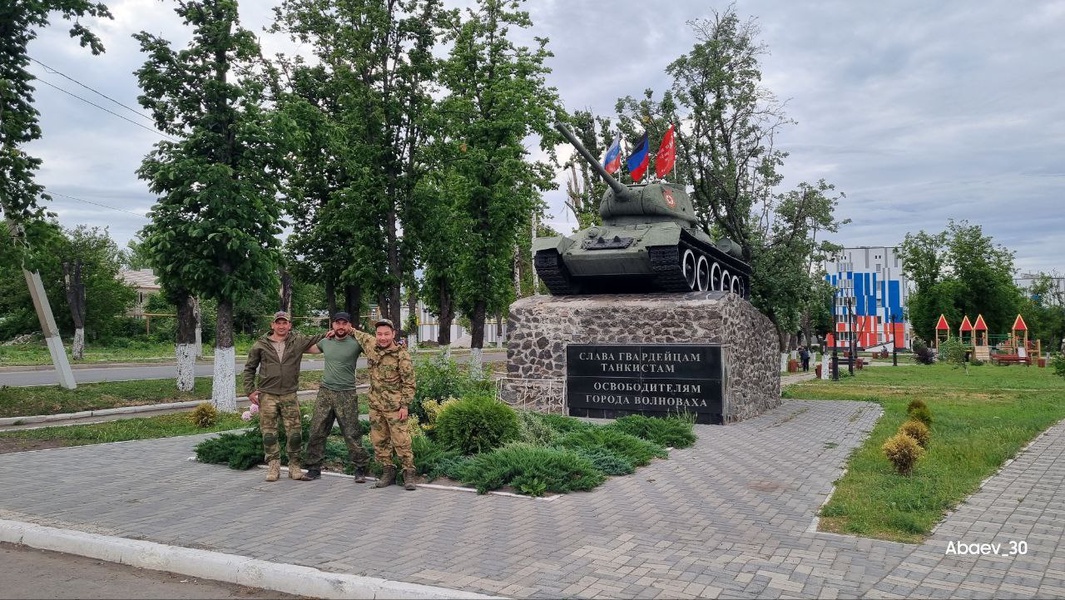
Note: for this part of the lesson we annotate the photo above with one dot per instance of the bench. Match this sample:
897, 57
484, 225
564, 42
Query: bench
1010, 359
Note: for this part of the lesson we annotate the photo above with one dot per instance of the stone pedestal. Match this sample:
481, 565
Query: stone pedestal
542, 327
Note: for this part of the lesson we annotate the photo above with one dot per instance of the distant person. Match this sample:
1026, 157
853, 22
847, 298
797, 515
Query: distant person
337, 400
391, 392
276, 357
804, 356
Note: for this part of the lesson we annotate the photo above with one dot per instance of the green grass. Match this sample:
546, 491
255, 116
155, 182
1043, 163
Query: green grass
36, 353
161, 426
980, 420
51, 400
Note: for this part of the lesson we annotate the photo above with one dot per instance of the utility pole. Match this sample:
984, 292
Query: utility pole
44, 314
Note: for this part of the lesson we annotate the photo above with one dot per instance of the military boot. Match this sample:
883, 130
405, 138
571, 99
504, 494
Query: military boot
408, 479
295, 472
388, 477
360, 474
274, 470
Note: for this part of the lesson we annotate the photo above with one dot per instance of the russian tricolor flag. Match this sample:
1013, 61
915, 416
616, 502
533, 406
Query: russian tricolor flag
612, 158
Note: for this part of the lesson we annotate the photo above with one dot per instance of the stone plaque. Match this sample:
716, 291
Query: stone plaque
611, 381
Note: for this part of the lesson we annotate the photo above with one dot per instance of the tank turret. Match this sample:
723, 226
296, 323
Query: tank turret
649, 241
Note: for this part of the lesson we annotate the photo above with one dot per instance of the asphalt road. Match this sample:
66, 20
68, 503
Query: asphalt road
31, 376
31, 573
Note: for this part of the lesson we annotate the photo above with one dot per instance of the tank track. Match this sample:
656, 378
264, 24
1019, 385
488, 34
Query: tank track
553, 272
666, 263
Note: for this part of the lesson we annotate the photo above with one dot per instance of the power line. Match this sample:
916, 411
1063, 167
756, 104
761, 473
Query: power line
98, 93
151, 129
96, 204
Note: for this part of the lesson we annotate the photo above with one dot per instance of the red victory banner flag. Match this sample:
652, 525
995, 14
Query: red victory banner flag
667, 154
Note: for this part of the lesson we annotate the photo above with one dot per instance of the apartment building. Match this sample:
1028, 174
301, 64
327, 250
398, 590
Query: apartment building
870, 300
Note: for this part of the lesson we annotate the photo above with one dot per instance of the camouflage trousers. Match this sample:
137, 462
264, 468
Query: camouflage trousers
271, 406
388, 433
342, 406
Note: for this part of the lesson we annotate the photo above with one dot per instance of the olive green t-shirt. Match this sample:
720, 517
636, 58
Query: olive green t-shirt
340, 357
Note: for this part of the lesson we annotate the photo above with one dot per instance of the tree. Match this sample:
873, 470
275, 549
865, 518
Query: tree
90, 261
726, 123
135, 256
497, 97
371, 93
959, 272
19, 22
213, 230
1044, 310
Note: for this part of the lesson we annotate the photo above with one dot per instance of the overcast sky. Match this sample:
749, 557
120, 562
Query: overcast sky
918, 111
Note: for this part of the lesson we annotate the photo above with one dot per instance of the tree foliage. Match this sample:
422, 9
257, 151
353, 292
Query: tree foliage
959, 272
726, 123
19, 22
214, 228
497, 97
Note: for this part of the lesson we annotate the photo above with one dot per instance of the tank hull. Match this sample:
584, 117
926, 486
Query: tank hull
638, 258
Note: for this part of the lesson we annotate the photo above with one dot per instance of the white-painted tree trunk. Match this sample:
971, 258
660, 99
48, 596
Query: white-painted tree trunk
77, 350
445, 351
476, 363
783, 362
826, 364
186, 367
224, 386
199, 342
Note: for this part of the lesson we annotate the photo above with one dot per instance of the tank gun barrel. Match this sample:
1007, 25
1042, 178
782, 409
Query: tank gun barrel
620, 191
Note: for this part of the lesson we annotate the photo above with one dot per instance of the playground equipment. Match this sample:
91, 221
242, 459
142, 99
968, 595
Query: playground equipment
1017, 349
942, 331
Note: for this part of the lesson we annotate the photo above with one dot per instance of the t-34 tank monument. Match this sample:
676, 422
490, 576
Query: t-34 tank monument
647, 315
649, 241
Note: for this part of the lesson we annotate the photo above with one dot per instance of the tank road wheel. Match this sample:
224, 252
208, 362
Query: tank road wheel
726, 281
715, 277
736, 287
689, 266
702, 274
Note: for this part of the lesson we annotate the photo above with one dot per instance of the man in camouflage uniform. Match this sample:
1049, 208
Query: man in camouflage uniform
337, 399
276, 357
391, 392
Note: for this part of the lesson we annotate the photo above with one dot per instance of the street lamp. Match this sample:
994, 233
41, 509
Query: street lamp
851, 324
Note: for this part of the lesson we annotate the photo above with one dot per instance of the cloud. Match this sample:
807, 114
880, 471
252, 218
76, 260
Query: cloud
919, 112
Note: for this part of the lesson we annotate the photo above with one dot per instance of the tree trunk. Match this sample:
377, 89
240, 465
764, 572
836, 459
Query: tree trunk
394, 268
75, 290
198, 315
353, 303
412, 319
77, 348
187, 309
330, 297
477, 338
286, 291
446, 316
223, 387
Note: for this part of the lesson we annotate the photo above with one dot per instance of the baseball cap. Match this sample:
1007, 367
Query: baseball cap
381, 322
282, 315
342, 316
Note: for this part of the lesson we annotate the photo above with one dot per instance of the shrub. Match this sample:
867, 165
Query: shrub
430, 459
442, 378
675, 431
922, 354
238, 450
531, 470
431, 409
535, 430
903, 452
477, 424
563, 424
916, 430
914, 405
607, 462
204, 415
633, 449
922, 414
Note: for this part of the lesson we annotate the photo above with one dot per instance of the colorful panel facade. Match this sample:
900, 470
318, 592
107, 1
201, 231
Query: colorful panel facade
870, 301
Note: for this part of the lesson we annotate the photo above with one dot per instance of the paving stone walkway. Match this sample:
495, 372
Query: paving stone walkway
733, 516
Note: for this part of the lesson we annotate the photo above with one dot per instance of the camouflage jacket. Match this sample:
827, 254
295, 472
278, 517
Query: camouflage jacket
391, 374
277, 376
